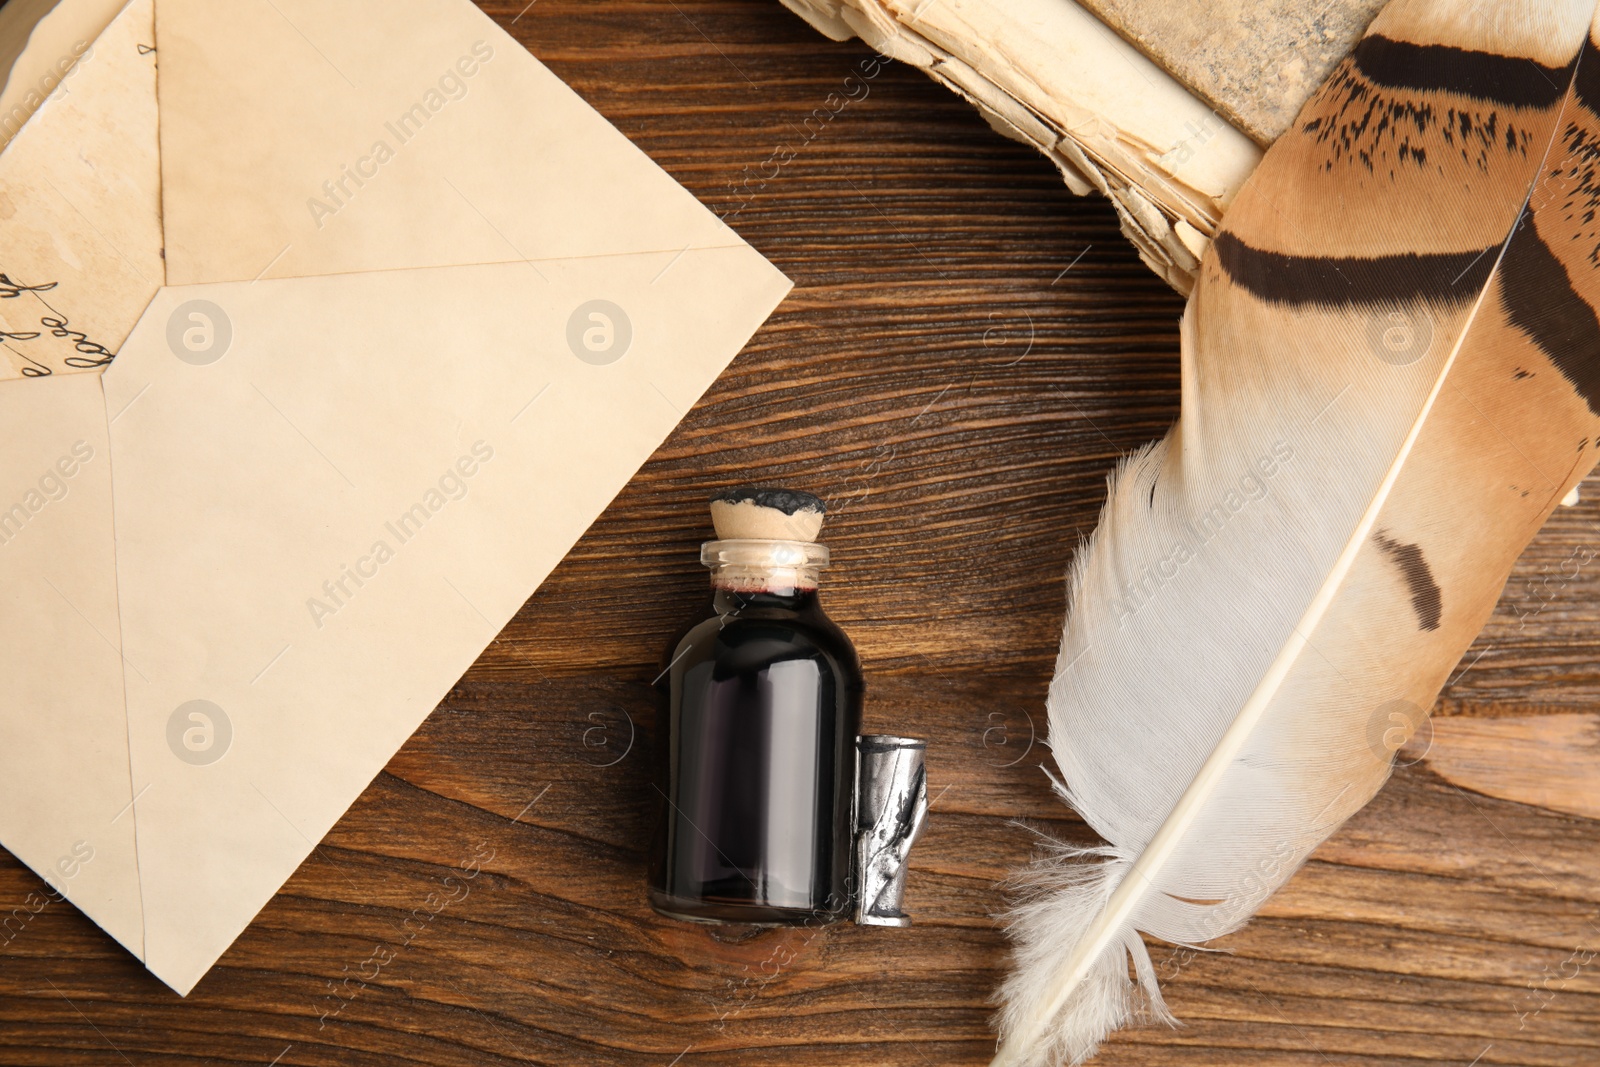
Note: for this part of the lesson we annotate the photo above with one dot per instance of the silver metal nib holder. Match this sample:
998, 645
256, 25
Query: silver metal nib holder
891, 806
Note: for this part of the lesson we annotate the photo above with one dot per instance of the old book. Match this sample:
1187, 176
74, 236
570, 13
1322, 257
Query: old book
1164, 107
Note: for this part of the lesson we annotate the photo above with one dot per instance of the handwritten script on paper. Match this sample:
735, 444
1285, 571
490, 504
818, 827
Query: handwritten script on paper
80, 201
56, 344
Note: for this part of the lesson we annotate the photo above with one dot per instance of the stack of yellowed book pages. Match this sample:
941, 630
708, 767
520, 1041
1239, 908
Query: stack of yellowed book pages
1164, 107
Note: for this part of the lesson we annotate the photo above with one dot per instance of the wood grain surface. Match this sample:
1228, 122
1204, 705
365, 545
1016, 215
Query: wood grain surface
967, 351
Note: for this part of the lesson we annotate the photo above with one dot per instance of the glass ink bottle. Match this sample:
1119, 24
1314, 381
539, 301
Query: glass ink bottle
757, 760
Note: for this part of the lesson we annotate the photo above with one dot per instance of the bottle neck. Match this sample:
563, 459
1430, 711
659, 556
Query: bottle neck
748, 573
729, 603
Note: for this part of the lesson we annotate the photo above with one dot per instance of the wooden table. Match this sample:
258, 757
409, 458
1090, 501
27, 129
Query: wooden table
967, 350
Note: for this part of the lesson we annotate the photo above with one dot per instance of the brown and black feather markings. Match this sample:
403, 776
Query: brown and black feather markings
1586, 86
1539, 299
1538, 291
1583, 152
1381, 113
1426, 597
1502, 79
1395, 111
1346, 281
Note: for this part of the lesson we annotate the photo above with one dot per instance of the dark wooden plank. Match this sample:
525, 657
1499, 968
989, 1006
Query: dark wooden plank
959, 394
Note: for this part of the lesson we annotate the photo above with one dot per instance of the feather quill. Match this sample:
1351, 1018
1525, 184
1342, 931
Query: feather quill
1391, 376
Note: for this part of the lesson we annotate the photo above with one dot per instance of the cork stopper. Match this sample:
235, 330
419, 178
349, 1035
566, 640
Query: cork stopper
767, 514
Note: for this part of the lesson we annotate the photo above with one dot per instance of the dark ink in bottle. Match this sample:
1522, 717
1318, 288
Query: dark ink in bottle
756, 765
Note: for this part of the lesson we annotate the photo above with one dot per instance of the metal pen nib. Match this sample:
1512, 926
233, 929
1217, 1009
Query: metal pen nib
891, 806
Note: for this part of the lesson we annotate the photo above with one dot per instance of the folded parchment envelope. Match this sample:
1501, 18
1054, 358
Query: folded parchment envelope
422, 313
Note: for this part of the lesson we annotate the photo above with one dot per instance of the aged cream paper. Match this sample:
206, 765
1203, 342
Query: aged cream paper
65, 788
80, 207
40, 43
367, 158
319, 532
353, 427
